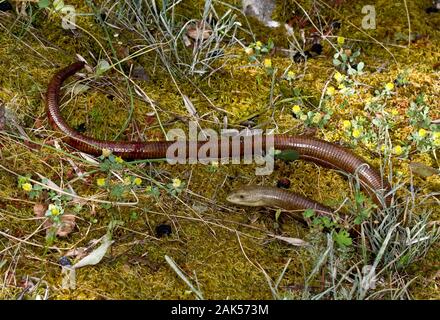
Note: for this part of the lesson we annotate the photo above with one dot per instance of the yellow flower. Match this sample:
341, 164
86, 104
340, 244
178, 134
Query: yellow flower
346, 124
395, 112
338, 77
389, 86
296, 109
100, 182
26, 186
341, 40
357, 133
176, 183
106, 153
137, 181
331, 91
436, 142
258, 45
268, 63
422, 132
249, 51
397, 150
54, 210
290, 74
382, 148
119, 160
316, 118
341, 86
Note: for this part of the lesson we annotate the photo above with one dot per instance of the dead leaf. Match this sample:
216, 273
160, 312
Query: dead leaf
32, 145
78, 253
150, 119
49, 182
80, 88
40, 210
293, 241
199, 30
67, 225
89, 158
422, 170
68, 278
96, 255
139, 73
38, 123
123, 53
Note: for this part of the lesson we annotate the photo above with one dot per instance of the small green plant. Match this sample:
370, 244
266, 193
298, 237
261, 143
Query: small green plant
134, 216
345, 86
43, 4
176, 186
346, 60
426, 140
426, 135
58, 202
110, 162
117, 189
418, 113
312, 118
321, 222
356, 130
212, 167
34, 191
373, 127
56, 5
342, 238
363, 208
257, 49
402, 79
153, 191
289, 76
55, 211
